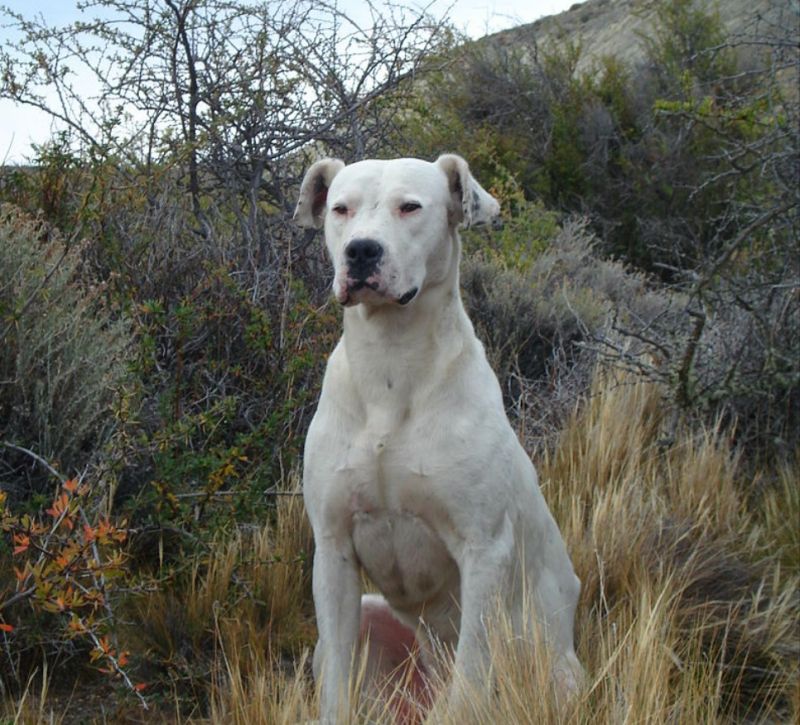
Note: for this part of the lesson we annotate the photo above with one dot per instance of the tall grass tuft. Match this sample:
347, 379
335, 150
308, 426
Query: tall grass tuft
241, 611
666, 537
689, 611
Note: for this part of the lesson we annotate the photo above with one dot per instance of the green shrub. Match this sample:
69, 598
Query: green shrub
62, 353
537, 306
228, 382
528, 229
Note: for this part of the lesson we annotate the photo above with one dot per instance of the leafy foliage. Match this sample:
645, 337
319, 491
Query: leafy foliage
66, 568
229, 383
687, 166
62, 351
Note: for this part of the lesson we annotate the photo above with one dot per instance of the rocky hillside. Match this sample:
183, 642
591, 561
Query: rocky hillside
614, 27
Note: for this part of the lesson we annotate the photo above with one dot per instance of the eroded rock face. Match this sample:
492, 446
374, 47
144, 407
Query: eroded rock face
615, 27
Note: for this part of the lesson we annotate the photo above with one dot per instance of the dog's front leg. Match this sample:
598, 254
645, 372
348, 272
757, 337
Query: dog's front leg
485, 574
337, 600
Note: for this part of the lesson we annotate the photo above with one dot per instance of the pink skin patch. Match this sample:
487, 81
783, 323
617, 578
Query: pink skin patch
349, 291
398, 666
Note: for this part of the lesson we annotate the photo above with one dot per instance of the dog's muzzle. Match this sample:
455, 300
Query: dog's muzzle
363, 261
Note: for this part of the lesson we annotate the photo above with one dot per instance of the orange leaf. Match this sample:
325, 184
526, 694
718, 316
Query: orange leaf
60, 505
23, 542
139, 687
71, 485
6, 627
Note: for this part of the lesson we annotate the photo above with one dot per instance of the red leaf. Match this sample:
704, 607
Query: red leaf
6, 627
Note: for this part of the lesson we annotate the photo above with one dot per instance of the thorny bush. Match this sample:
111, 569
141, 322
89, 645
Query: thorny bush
66, 567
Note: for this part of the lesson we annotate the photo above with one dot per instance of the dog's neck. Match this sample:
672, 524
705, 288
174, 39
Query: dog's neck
417, 341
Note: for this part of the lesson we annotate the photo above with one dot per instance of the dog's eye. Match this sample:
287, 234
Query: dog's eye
409, 206
340, 209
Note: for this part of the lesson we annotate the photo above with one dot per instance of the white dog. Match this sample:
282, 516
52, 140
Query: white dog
413, 473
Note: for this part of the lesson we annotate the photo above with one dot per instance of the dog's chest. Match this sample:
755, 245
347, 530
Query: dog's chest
396, 522
402, 555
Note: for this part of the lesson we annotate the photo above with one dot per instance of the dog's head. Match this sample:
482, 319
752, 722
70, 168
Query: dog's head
390, 226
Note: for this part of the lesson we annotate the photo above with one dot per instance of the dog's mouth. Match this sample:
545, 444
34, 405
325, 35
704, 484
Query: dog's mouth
362, 290
408, 296
355, 291
362, 284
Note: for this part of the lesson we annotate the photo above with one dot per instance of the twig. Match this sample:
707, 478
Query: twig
226, 494
117, 667
18, 597
688, 358
733, 245
37, 458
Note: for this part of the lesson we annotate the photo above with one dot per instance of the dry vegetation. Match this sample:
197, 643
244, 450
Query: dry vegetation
688, 614
689, 610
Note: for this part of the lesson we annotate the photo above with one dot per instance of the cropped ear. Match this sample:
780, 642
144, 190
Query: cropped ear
310, 209
471, 203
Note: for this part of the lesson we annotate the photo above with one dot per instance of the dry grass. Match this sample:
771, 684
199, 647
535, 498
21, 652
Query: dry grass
687, 613
689, 610
243, 611
32, 705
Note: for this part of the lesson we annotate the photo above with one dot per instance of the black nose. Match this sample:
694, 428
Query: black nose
362, 257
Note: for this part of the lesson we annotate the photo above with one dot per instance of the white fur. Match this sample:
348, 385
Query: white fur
412, 470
